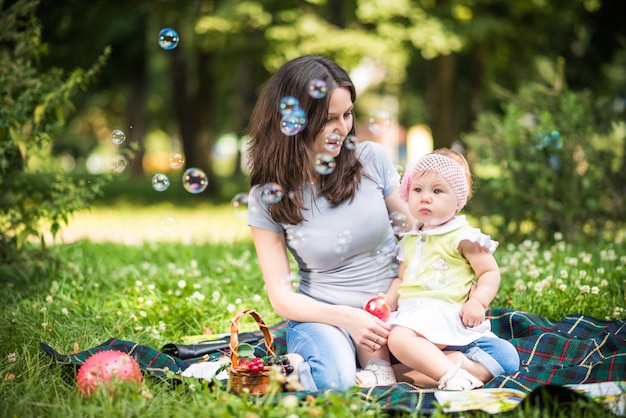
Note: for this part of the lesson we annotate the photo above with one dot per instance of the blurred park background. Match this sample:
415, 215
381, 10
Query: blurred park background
532, 91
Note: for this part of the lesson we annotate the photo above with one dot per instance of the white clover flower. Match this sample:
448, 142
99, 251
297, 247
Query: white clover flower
256, 298
564, 274
585, 289
138, 283
238, 301
133, 317
231, 308
582, 274
563, 287
49, 299
64, 311
290, 401
182, 284
215, 296
600, 270
194, 264
197, 295
143, 314
151, 287
12, 357
558, 236
197, 285
604, 283
140, 299
595, 290
149, 302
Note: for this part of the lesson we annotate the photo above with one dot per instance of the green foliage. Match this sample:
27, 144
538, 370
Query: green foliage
33, 108
550, 163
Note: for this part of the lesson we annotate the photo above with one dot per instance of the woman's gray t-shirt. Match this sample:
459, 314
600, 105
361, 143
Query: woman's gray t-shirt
345, 254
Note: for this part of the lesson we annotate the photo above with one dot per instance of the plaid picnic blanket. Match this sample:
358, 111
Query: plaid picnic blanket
574, 350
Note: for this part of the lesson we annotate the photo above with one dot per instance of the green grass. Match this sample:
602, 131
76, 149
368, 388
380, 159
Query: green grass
154, 286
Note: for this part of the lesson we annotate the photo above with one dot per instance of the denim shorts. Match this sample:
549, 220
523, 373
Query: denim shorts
495, 354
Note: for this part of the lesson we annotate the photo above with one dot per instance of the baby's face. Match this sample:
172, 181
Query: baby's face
431, 199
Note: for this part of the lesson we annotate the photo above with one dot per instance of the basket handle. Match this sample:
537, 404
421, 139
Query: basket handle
234, 334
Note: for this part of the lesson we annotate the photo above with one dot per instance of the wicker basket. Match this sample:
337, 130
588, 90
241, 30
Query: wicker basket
242, 379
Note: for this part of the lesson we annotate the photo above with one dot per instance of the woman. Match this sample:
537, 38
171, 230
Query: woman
328, 203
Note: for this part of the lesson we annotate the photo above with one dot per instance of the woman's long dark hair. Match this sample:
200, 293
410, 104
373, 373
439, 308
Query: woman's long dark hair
285, 160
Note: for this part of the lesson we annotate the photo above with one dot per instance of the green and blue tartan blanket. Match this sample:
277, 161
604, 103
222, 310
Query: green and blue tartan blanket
574, 350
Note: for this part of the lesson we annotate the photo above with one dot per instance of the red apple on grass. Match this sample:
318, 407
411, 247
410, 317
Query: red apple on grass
378, 307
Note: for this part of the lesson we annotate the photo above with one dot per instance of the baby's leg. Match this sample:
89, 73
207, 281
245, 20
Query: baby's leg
417, 353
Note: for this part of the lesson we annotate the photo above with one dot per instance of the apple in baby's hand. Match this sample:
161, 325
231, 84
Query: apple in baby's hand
378, 307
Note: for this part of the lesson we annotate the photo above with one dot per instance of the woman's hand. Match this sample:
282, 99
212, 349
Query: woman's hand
365, 329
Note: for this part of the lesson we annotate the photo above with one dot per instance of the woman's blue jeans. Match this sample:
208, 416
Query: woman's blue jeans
329, 355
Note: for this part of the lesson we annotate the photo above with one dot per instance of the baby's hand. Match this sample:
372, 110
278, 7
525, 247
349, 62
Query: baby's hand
472, 313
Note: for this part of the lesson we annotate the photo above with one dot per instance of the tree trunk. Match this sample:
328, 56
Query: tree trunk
194, 112
138, 120
441, 101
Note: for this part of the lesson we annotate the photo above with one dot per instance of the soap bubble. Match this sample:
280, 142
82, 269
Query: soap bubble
120, 163
342, 243
288, 104
240, 205
295, 237
293, 123
272, 193
168, 39
379, 122
168, 223
350, 142
160, 182
176, 160
118, 137
317, 89
333, 142
399, 223
324, 164
195, 180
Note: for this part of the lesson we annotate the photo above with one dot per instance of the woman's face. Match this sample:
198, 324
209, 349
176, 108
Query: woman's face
338, 124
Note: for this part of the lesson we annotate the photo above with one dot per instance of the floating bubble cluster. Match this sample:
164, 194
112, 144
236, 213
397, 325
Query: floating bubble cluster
195, 181
168, 39
294, 118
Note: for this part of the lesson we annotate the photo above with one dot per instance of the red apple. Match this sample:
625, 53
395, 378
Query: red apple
378, 307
